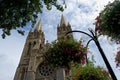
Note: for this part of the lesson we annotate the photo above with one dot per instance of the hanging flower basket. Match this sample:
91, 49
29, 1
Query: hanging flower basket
93, 73
117, 59
108, 21
64, 52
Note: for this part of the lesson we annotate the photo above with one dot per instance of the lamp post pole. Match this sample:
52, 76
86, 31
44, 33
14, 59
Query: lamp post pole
95, 39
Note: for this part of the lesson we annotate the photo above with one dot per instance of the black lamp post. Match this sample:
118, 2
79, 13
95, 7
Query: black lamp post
94, 37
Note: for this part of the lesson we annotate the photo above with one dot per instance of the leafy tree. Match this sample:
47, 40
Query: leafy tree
14, 14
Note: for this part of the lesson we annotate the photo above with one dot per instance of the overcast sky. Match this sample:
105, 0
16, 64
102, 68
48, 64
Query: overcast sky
79, 13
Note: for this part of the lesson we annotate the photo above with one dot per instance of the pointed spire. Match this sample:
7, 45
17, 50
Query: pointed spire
63, 21
39, 26
31, 30
69, 24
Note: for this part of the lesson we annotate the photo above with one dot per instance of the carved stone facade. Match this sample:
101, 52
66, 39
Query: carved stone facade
30, 66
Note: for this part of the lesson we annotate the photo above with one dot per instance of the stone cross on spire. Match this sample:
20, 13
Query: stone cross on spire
39, 26
63, 21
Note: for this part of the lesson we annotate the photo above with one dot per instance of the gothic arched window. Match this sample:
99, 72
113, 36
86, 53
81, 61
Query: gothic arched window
45, 72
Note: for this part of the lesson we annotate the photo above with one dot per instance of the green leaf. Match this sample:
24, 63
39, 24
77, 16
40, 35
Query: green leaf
21, 32
3, 35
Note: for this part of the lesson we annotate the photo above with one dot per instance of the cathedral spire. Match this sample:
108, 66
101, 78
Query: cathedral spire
63, 21
39, 26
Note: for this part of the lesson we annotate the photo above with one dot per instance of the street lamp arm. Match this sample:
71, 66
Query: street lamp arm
79, 32
89, 42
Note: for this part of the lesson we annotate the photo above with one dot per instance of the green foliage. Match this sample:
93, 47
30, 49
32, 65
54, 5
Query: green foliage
76, 68
64, 52
88, 72
14, 14
108, 21
93, 73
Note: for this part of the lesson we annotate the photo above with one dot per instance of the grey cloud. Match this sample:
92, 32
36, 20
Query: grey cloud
85, 9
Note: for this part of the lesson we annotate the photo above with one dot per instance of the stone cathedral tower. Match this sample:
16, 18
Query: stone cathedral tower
30, 66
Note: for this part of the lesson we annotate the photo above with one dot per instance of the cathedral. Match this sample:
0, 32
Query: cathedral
30, 66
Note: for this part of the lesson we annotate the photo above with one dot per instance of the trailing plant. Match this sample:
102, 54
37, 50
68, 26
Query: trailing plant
64, 52
108, 21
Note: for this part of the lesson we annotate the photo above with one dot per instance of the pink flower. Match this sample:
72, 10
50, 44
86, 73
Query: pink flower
68, 50
97, 18
77, 54
117, 59
83, 60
